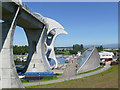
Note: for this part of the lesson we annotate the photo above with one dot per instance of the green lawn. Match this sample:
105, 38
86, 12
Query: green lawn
44, 79
51, 78
14, 56
63, 52
106, 79
91, 70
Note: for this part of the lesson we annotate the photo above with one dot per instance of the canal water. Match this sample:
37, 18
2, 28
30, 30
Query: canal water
60, 60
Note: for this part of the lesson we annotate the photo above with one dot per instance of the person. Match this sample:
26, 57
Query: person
76, 65
72, 60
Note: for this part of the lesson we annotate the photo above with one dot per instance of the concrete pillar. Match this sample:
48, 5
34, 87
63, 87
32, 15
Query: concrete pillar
8, 74
70, 70
37, 60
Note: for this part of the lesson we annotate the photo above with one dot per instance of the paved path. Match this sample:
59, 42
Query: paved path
60, 80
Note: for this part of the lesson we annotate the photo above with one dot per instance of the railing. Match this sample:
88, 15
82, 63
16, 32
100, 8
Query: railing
37, 15
17, 1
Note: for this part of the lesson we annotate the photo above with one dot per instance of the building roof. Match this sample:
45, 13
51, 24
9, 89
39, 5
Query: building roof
104, 52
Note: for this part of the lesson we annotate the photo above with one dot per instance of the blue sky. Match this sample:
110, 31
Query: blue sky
87, 23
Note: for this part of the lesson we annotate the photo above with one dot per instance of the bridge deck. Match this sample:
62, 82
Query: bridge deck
26, 19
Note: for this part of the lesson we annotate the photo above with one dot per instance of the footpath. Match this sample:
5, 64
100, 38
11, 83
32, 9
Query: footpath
69, 78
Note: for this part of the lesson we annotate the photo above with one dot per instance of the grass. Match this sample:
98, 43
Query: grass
67, 53
51, 78
44, 79
106, 79
59, 74
14, 56
112, 50
91, 70
63, 52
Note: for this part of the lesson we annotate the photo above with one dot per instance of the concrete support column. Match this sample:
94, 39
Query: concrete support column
70, 70
37, 60
8, 74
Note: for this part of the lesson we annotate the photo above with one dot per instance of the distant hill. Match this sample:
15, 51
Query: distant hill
104, 46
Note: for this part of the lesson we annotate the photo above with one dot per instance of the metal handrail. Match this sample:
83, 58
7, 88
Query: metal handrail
37, 15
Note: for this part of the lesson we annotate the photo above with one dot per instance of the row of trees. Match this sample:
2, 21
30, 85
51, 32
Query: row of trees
100, 48
20, 50
76, 48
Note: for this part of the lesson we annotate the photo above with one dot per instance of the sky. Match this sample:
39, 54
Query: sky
88, 23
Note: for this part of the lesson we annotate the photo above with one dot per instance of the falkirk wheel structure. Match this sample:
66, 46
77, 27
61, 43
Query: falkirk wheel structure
53, 30
41, 33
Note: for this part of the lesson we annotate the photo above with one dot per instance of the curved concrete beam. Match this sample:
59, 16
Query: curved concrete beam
57, 30
40, 51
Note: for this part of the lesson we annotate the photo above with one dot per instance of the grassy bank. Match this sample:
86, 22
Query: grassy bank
91, 70
44, 79
106, 79
63, 52
58, 75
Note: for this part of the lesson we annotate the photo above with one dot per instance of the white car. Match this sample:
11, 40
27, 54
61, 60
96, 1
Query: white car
22, 76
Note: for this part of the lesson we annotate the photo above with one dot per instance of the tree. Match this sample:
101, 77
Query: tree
76, 48
73, 52
100, 48
20, 50
81, 47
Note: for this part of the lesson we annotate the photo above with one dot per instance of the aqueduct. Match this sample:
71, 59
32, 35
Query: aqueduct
41, 33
